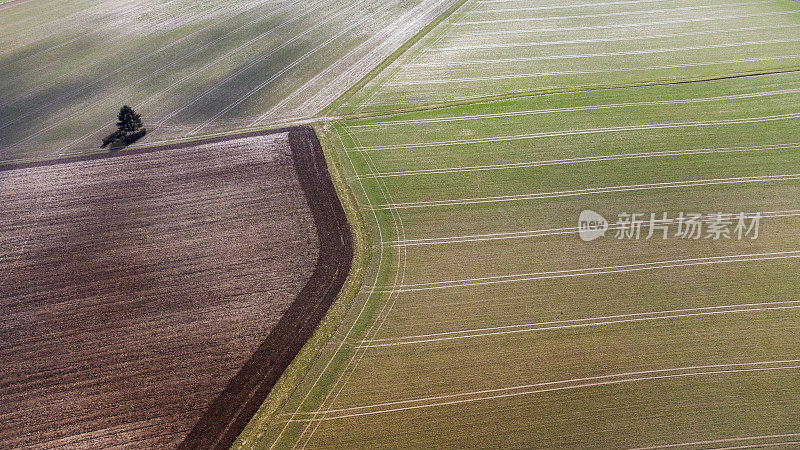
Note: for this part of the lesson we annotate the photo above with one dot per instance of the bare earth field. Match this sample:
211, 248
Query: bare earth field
140, 290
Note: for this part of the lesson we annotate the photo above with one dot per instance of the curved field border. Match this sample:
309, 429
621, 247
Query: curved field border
230, 412
233, 408
254, 434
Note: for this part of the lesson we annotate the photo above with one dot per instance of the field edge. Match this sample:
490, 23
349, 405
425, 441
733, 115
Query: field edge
230, 412
301, 365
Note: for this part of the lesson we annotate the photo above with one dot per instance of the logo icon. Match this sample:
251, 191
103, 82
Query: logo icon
591, 225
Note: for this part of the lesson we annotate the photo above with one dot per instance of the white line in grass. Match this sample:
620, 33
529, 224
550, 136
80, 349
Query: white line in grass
759, 445
603, 270
549, 386
586, 72
75, 91
485, 46
559, 231
624, 25
720, 441
585, 319
363, 289
591, 191
622, 128
611, 14
573, 380
551, 7
487, 33
478, 62
580, 160
543, 90
531, 112
580, 323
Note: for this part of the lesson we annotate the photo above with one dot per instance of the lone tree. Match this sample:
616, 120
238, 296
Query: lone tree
128, 122
129, 129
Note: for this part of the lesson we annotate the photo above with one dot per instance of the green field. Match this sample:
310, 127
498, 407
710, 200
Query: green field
485, 320
188, 67
502, 48
464, 152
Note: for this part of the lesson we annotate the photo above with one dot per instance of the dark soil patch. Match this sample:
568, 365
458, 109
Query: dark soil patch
153, 298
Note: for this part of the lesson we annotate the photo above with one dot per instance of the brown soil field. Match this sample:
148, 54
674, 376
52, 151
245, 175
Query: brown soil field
154, 298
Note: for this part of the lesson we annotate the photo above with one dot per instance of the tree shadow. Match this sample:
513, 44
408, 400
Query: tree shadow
117, 141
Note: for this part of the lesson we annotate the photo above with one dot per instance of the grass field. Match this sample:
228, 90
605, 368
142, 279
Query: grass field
485, 320
502, 48
487, 309
188, 67
470, 151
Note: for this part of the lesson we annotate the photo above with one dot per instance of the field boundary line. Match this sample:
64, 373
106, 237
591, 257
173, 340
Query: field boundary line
437, 34
378, 322
327, 275
397, 45
229, 413
371, 291
437, 106
410, 18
